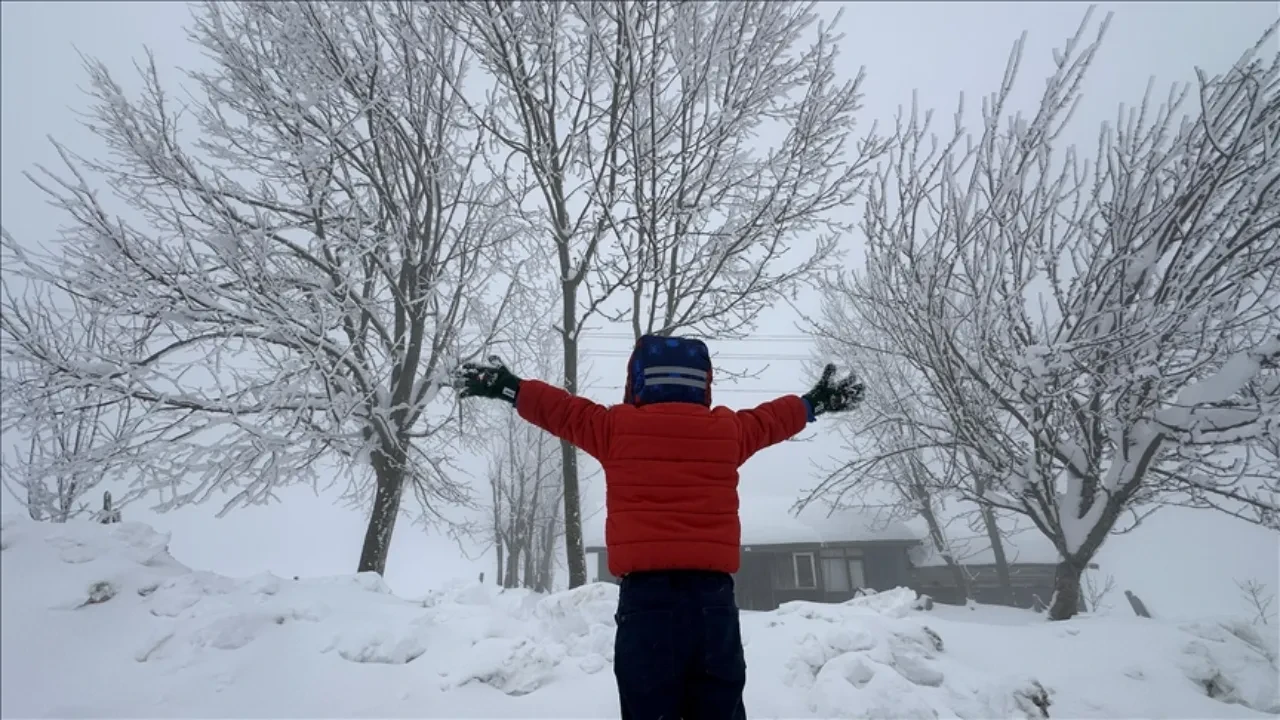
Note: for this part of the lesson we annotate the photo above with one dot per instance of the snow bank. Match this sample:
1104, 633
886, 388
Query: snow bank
100, 621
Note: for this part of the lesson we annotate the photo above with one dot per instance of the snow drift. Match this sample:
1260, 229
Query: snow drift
100, 621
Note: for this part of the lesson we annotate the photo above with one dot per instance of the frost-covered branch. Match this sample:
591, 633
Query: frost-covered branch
721, 223
310, 244
554, 117
1100, 334
65, 439
1259, 599
899, 442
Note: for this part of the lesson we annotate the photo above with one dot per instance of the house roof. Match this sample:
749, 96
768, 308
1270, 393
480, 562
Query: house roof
1028, 546
769, 520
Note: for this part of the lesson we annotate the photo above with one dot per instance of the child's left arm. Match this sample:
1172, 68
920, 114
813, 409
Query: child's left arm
781, 419
770, 423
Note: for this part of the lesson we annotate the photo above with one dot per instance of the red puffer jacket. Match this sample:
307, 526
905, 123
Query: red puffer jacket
671, 471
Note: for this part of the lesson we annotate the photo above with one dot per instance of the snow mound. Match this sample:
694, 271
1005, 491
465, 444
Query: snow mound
866, 659
100, 621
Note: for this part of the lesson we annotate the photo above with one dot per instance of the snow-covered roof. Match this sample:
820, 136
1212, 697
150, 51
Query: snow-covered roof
769, 520
1025, 546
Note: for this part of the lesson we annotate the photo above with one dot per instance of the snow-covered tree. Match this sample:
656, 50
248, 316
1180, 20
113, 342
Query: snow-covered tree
311, 243
740, 161
555, 115
66, 439
630, 137
886, 466
525, 506
1100, 336
524, 521
883, 448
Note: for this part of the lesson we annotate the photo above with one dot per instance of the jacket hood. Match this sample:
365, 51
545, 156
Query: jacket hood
668, 369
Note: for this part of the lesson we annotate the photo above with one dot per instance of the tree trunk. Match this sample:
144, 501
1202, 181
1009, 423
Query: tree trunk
389, 474
943, 547
66, 500
547, 555
530, 561
500, 546
997, 549
961, 578
499, 542
512, 578
1068, 600
1066, 589
35, 500
574, 553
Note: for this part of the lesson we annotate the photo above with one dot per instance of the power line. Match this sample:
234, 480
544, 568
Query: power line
714, 356
715, 390
763, 337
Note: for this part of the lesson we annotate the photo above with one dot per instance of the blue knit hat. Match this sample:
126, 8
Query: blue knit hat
668, 369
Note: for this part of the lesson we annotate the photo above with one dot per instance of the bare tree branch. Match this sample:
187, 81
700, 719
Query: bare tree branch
721, 223
300, 267
1097, 337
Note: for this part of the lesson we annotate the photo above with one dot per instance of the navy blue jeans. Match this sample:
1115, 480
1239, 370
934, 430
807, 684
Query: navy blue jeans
678, 651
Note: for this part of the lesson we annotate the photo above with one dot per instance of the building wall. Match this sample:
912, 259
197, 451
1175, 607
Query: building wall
757, 583
1032, 584
886, 566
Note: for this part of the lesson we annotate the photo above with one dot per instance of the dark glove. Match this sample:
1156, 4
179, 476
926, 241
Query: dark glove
487, 381
830, 395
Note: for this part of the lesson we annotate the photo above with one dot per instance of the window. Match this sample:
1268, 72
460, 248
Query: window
835, 574
784, 571
857, 574
806, 578
842, 570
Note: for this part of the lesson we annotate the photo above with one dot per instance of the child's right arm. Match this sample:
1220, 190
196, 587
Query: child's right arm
569, 417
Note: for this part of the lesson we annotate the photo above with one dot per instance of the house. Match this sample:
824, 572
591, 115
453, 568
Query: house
1032, 558
814, 556
829, 557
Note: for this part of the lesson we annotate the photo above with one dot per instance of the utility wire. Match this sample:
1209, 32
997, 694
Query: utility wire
715, 389
623, 353
774, 338
714, 356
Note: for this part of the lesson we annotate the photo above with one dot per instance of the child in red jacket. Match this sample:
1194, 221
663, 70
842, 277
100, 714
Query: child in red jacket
672, 530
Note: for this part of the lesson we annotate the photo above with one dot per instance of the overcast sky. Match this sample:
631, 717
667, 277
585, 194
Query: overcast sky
1180, 562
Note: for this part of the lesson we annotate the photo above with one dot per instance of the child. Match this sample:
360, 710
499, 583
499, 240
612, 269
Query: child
672, 529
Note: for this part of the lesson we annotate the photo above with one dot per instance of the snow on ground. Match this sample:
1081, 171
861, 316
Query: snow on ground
100, 621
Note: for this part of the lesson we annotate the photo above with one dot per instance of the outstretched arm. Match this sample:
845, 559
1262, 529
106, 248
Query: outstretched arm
575, 419
781, 419
770, 423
